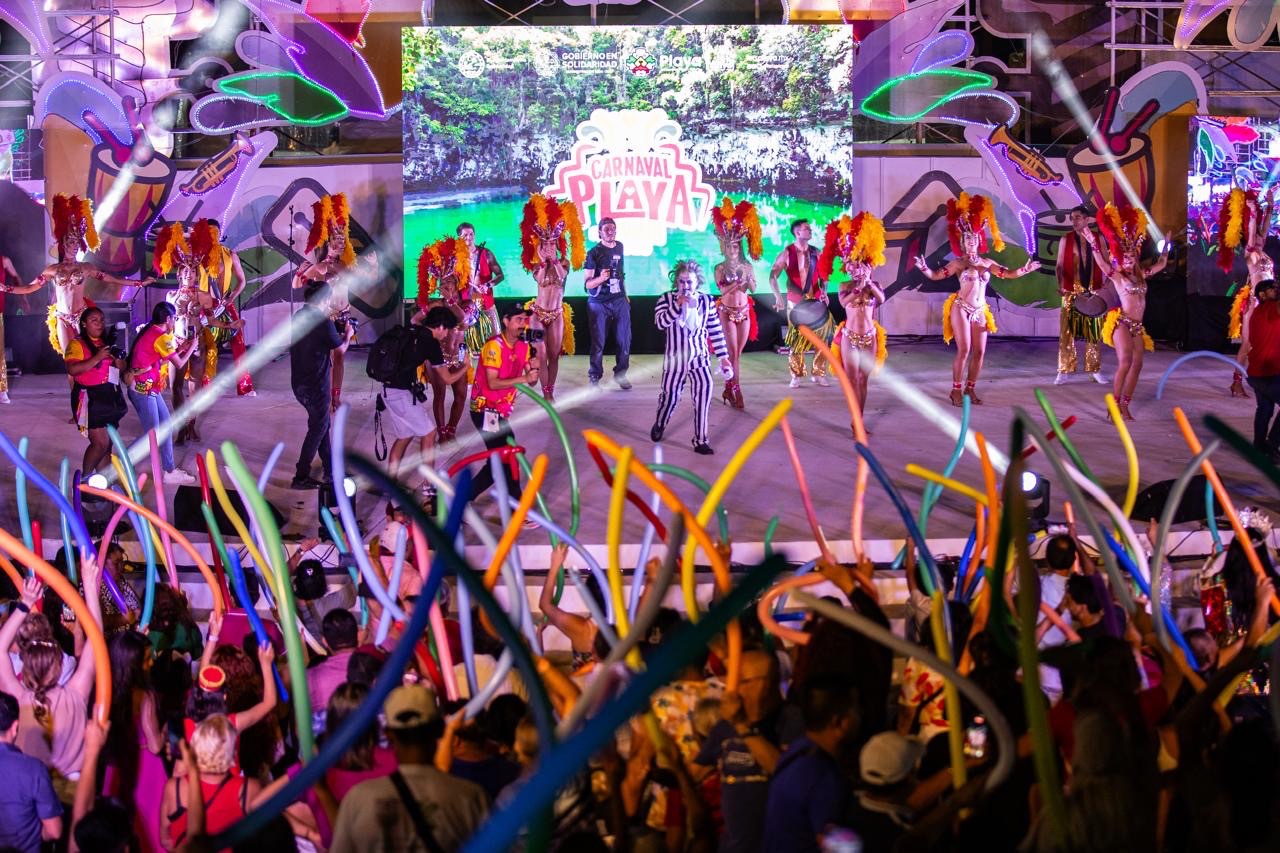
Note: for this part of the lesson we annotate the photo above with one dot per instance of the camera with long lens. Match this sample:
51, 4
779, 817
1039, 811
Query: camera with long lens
533, 336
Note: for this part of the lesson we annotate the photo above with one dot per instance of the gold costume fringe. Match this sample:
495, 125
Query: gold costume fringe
948, 334
882, 343
478, 333
568, 345
1235, 329
1110, 324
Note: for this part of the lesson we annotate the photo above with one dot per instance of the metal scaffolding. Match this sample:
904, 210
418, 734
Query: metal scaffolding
77, 45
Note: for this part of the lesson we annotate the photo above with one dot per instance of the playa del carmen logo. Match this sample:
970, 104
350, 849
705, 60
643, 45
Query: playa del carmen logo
642, 63
631, 165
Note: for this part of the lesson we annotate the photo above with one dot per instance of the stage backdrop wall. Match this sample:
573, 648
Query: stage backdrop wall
649, 125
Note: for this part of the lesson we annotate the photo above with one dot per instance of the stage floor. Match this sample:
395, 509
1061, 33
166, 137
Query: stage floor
766, 486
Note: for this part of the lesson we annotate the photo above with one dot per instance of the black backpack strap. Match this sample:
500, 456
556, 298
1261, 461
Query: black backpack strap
379, 431
415, 813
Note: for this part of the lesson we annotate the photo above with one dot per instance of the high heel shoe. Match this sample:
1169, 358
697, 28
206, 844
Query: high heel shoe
737, 395
726, 396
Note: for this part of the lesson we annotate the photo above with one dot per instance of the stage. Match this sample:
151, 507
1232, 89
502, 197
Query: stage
766, 487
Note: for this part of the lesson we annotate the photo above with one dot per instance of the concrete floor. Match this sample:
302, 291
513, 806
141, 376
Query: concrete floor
767, 486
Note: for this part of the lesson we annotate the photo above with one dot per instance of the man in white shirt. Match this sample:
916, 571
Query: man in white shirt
397, 811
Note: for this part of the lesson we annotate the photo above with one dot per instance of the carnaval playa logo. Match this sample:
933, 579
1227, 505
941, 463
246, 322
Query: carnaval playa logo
630, 165
642, 64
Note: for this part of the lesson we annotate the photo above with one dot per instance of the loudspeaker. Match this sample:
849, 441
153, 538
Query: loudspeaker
188, 518
1151, 501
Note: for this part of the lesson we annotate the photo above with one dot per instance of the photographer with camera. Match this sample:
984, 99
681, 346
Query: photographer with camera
608, 305
405, 359
156, 353
315, 338
506, 360
95, 362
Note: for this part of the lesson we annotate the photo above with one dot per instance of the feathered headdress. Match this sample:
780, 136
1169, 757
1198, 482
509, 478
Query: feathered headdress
971, 214
735, 221
172, 249
546, 218
331, 212
448, 257
856, 239
1235, 220
206, 246
1124, 229
73, 215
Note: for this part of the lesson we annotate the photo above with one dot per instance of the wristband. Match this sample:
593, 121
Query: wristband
20, 605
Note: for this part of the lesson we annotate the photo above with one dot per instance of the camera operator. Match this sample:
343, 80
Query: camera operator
608, 305
95, 362
506, 360
420, 360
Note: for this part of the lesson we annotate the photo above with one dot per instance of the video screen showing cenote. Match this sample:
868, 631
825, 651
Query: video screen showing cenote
651, 126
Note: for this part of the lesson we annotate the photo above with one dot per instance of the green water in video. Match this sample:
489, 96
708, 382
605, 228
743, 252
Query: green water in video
497, 223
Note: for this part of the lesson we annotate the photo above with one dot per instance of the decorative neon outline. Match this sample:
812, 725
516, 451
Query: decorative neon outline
1188, 29
45, 96
946, 61
272, 99
977, 79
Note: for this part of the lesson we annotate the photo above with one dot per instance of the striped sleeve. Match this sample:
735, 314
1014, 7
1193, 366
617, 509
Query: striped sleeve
715, 332
663, 316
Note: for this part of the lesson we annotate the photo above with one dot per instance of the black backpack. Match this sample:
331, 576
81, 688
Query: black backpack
390, 353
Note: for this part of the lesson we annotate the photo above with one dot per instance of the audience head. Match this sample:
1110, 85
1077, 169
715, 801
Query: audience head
501, 718
1060, 553
342, 704
107, 828
889, 759
829, 707
526, 742
8, 718
340, 630
308, 581
363, 667
214, 745
1083, 597
413, 723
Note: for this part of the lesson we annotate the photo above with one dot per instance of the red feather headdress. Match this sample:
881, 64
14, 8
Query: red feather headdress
1124, 229
735, 221
72, 214
544, 219
972, 215
447, 257
856, 239
331, 211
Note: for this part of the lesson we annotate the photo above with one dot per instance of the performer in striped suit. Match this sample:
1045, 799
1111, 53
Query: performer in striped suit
689, 317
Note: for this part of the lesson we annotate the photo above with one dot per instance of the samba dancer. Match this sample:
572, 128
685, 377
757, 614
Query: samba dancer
551, 243
1125, 229
1077, 276
441, 265
486, 273
73, 233
737, 281
229, 284
966, 316
330, 240
199, 315
860, 340
1241, 216
691, 322
800, 261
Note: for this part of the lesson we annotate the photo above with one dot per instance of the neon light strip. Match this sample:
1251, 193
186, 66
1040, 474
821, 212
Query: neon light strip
977, 80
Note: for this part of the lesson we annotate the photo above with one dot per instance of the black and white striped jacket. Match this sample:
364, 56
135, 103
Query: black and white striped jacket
691, 335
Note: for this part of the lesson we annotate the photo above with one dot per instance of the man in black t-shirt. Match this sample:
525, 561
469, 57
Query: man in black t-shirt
315, 337
408, 413
607, 304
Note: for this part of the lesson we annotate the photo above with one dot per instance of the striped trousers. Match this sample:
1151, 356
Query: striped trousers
674, 375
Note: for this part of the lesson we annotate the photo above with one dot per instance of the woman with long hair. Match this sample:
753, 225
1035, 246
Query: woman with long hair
135, 771
96, 367
53, 716
737, 281
155, 351
861, 342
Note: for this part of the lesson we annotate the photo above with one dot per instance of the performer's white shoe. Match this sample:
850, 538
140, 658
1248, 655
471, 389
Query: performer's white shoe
1099, 378
1060, 378
4, 398
795, 382
820, 380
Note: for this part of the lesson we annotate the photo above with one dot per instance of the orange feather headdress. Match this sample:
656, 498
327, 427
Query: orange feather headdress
329, 213
1124, 229
972, 215
446, 258
856, 239
545, 219
735, 221
72, 214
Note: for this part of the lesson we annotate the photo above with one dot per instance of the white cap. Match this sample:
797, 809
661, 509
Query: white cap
889, 757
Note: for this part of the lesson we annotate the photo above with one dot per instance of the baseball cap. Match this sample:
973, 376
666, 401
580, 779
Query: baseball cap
889, 757
410, 706
513, 309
